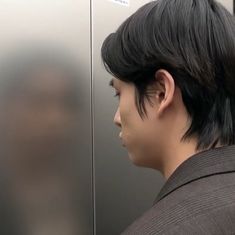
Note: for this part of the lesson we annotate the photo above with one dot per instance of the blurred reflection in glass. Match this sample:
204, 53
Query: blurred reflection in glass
39, 126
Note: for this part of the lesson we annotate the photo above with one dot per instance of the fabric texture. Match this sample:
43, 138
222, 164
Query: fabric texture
198, 198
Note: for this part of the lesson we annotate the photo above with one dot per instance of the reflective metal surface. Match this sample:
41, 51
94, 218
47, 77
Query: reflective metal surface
62, 167
45, 118
123, 191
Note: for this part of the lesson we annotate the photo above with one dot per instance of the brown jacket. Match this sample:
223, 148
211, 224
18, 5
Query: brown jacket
198, 198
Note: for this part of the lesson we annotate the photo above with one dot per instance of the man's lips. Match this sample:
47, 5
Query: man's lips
120, 136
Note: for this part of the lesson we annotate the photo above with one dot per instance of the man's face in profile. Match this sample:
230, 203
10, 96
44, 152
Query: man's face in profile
140, 135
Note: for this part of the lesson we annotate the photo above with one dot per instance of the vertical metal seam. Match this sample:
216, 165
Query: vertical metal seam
234, 7
92, 120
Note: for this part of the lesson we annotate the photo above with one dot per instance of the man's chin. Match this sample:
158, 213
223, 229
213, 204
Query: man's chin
135, 160
140, 161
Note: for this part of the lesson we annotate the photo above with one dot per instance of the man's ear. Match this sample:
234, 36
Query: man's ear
165, 90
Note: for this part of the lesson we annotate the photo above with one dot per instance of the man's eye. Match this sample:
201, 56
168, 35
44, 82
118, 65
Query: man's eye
117, 94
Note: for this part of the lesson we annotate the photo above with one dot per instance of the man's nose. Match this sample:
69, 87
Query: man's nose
117, 118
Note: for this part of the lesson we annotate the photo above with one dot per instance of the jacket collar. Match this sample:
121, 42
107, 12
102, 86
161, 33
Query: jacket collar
203, 164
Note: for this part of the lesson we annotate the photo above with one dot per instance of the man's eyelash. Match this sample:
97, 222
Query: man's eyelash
117, 94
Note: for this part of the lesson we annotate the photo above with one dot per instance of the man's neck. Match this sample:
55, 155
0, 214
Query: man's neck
176, 155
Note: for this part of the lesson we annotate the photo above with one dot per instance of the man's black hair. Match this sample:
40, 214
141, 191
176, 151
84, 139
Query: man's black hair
194, 40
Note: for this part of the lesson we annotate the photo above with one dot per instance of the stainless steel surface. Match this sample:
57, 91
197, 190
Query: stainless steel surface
123, 191
111, 192
48, 204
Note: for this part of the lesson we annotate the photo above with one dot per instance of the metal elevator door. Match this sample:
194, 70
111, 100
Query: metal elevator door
45, 117
62, 167
122, 191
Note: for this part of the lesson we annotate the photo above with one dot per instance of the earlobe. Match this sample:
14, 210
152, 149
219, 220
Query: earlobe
166, 90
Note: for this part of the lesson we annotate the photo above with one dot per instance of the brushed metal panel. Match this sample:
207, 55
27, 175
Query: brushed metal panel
64, 24
123, 191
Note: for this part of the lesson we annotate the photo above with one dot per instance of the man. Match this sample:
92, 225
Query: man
174, 68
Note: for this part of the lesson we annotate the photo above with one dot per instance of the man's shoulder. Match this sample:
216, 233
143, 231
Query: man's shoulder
203, 206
